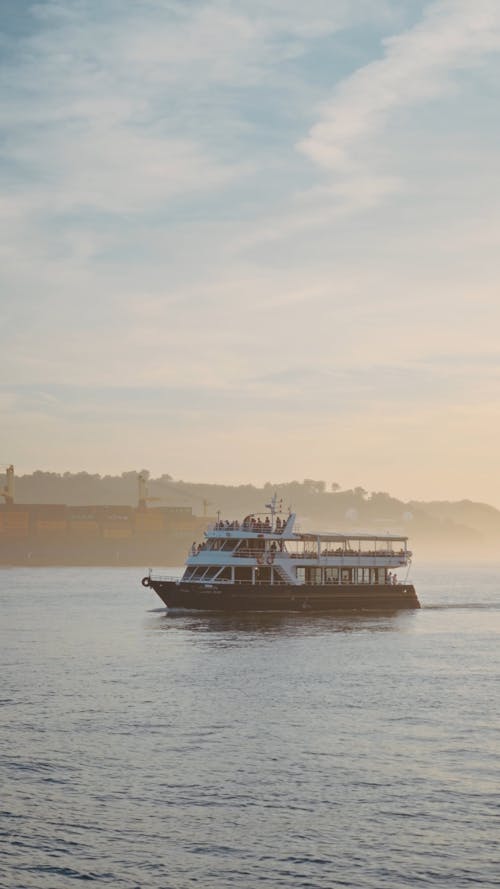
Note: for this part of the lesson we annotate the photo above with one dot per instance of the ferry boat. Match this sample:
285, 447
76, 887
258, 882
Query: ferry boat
264, 564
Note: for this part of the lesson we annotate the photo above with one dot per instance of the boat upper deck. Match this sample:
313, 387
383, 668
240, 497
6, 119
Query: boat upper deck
252, 528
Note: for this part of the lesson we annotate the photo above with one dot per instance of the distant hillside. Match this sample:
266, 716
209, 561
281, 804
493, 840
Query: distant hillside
436, 528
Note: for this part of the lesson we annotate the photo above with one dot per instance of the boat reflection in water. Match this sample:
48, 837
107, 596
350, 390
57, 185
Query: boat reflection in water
226, 629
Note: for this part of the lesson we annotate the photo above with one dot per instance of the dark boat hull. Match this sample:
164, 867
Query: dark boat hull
278, 597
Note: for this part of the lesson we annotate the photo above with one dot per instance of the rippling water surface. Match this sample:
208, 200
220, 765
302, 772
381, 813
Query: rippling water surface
142, 749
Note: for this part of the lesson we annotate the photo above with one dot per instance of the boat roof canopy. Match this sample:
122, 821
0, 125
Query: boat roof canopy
332, 536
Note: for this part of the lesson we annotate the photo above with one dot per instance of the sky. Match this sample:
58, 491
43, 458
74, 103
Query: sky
253, 240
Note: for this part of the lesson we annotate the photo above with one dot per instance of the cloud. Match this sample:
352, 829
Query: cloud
235, 44
464, 380
417, 67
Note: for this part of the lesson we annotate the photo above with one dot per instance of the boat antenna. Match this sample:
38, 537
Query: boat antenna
272, 507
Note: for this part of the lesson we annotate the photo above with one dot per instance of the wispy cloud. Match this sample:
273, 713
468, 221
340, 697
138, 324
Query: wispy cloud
417, 66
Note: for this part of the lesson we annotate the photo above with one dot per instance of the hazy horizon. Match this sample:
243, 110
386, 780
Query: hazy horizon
330, 485
464, 531
253, 241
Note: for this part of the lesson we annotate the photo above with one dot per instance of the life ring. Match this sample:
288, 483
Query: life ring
270, 559
145, 581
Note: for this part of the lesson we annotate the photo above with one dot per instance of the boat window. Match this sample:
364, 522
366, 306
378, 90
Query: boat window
229, 545
313, 575
243, 575
263, 575
197, 574
210, 573
224, 544
301, 574
331, 575
333, 548
301, 549
225, 574
214, 545
363, 575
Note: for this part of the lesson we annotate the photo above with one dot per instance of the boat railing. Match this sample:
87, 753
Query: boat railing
249, 582
349, 554
217, 582
252, 529
254, 553
287, 583
169, 578
255, 525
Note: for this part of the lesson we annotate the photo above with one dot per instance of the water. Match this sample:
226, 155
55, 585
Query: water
144, 750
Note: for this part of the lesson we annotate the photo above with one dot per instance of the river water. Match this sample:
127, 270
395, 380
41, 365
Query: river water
139, 749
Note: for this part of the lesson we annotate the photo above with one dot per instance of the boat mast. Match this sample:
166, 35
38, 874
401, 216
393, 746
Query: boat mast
272, 508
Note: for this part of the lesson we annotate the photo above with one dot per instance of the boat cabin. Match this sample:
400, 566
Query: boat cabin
267, 549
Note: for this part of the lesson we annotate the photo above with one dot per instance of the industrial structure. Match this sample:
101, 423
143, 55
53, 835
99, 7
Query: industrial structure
60, 534
7, 492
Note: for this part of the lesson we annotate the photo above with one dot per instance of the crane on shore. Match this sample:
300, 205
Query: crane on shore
7, 492
144, 498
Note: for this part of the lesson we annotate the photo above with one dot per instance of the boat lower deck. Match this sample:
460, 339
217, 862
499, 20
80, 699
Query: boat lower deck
284, 597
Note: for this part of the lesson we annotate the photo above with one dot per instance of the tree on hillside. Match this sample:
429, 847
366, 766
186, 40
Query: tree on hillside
314, 487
